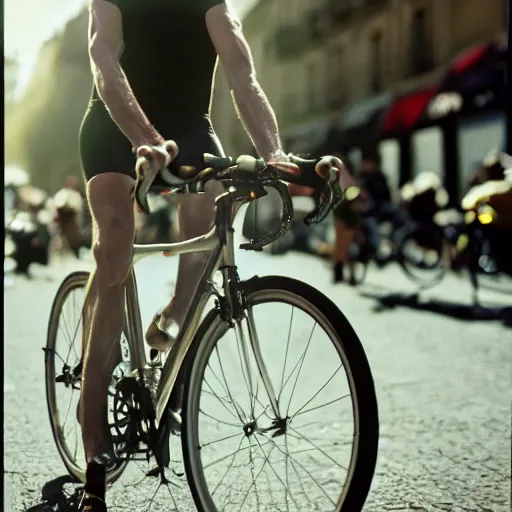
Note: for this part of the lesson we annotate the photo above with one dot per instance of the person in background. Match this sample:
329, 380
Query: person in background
71, 214
375, 184
348, 218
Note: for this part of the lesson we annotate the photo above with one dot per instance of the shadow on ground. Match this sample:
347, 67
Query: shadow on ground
387, 301
58, 495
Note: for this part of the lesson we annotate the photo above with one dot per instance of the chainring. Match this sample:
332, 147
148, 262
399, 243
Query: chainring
133, 426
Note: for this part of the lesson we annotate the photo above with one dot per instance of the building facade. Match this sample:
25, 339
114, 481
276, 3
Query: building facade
10, 80
348, 76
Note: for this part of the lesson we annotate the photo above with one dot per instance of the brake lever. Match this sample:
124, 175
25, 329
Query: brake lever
332, 197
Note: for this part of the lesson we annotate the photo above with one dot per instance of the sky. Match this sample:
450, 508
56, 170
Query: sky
28, 23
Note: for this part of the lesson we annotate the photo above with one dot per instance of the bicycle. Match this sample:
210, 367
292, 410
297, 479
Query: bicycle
140, 419
418, 248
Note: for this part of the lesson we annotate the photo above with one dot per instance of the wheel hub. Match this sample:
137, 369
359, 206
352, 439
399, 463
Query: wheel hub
279, 427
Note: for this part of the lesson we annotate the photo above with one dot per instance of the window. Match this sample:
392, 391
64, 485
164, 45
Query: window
376, 62
421, 56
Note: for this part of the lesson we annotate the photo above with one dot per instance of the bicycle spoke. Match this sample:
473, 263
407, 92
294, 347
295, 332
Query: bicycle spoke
287, 477
259, 472
318, 406
319, 391
219, 399
272, 467
308, 473
201, 446
217, 420
298, 373
226, 382
72, 341
226, 457
229, 467
315, 446
289, 458
286, 354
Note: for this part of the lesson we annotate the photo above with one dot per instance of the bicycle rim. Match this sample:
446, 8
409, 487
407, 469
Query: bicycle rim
63, 419
325, 485
423, 265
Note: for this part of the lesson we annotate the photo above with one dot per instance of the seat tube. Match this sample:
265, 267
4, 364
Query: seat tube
224, 220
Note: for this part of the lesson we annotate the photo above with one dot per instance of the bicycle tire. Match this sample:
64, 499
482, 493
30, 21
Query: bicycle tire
353, 497
74, 280
436, 274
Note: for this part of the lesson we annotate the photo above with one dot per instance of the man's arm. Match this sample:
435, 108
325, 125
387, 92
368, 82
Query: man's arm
250, 101
105, 39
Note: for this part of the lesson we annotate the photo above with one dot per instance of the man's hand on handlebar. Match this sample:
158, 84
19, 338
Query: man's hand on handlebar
321, 168
325, 177
151, 160
155, 157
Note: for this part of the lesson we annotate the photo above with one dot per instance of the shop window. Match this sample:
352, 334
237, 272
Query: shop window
427, 151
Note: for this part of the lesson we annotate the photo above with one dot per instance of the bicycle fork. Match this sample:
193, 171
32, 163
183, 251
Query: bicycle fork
235, 312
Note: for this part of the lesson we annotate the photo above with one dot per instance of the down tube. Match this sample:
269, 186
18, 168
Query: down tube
135, 335
180, 348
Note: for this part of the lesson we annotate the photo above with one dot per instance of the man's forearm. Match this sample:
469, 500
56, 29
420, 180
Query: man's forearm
116, 93
258, 118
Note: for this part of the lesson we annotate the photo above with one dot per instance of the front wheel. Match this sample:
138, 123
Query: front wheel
280, 410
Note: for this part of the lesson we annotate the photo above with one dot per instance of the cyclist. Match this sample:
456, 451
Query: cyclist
153, 64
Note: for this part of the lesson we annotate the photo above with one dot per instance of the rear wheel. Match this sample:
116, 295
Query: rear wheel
310, 443
63, 373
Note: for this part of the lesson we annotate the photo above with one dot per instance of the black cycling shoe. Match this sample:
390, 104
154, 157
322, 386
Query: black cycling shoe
90, 503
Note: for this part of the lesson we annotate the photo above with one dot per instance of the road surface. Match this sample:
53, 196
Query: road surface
443, 388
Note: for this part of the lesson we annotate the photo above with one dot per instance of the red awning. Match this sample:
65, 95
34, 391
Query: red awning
469, 58
405, 112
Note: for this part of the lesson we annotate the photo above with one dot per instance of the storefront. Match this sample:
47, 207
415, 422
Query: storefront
470, 108
448, 128
405, 153
358, 127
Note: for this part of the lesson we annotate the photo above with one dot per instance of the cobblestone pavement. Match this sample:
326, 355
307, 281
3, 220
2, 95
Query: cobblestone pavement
443, 387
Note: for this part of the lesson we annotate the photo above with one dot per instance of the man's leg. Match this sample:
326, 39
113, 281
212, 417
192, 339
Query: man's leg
111, 207
195, 218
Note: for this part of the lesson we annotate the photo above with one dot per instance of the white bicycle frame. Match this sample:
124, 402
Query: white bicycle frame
219, 242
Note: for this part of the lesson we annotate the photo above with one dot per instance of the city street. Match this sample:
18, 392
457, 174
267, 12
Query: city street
443, 389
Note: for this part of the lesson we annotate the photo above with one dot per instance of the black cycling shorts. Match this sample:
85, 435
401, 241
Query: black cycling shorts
104, 148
